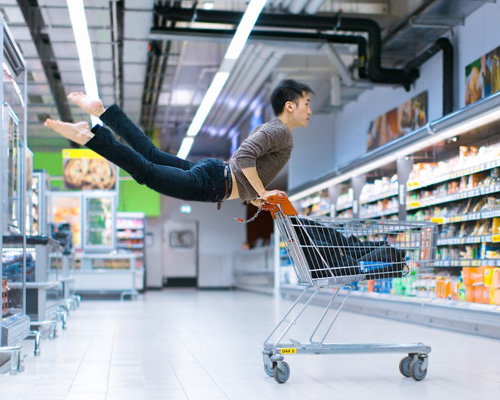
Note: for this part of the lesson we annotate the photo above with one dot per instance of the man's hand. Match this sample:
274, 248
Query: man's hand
257, 202
269, 193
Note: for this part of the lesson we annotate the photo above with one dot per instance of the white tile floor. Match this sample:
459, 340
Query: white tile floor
185, 344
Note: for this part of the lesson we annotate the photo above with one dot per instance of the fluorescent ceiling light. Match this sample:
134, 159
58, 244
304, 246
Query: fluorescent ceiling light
208, 5
244, 28
82, 38
207, 102
450, 128
233, 52
187, 142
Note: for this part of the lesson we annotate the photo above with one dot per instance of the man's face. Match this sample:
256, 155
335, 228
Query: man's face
302, 111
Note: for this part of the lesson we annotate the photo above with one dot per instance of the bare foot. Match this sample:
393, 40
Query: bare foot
79, 133
92, 107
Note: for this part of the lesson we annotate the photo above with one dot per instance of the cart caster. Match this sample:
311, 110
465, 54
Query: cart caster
281, 376
418, 368
269, 371
404, 366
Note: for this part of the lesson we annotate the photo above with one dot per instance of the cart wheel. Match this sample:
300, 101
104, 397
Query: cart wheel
281, 377
415, 370
404, 366
269, 371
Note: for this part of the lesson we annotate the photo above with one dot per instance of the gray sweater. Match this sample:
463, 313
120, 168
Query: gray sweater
267, 148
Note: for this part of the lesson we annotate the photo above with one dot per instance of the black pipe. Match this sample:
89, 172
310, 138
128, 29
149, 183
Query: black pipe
317, 23
445, 45
360, 41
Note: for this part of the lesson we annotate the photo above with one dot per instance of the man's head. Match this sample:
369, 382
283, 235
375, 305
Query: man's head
291, 100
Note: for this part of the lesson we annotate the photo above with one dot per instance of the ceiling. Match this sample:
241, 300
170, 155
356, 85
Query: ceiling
159, 79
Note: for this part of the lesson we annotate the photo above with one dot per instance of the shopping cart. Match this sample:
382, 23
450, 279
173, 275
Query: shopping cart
336, 253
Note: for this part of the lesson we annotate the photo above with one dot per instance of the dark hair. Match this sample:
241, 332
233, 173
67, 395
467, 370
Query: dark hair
288, 90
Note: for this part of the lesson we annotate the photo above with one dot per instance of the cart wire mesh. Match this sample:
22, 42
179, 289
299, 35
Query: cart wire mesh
335, 252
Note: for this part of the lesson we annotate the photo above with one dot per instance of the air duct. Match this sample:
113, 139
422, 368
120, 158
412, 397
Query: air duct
376, 72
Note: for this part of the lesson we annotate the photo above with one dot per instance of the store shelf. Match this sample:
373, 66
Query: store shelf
384, 213
344, 207
469, 240
373, 199
431, 201
415, 185
468, 263
478, 319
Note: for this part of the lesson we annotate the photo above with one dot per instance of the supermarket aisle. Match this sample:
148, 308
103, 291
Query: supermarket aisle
207, 345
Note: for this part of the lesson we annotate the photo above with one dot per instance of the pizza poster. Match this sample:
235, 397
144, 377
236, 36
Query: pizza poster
83, 169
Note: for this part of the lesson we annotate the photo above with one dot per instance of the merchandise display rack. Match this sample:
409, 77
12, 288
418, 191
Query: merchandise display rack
13, 200
130, 236
460, 192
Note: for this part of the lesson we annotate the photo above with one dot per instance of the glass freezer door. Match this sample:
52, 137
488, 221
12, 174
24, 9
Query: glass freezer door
99, 231
67, 208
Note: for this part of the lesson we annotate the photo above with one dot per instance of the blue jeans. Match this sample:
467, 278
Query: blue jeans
165, 173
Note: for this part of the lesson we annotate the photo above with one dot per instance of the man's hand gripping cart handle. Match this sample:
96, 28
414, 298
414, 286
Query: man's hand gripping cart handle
273, 204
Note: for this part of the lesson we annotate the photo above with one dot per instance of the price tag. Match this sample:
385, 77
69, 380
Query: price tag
437, 220
476, 263
414, 204
288, 351
495, 238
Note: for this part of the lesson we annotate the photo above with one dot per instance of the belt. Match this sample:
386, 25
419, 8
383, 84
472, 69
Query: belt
228, 182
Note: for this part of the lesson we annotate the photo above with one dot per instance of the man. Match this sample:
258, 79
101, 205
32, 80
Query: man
250, 170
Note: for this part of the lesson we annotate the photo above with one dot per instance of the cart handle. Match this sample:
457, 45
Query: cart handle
274, 203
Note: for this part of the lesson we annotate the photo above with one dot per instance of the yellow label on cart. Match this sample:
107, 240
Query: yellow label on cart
495, 238
288, 351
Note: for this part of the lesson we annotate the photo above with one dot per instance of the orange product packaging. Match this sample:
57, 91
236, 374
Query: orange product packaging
469, 293
477, 275
369, 285
439, 287
482, 294
488, 276
454, 287
466, 275
495, 280
495, 297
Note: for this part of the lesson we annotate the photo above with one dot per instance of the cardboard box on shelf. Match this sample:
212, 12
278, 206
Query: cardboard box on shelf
482, 294
488, 276
495, 297
495, 280
469, 293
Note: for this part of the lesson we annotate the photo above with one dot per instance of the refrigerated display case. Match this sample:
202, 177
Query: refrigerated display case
91, 216
99, 221
39, 202
13, 84
130, 236
66, 207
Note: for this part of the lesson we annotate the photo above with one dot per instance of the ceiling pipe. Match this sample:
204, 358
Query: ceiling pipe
445, 45
269, 36
376, 72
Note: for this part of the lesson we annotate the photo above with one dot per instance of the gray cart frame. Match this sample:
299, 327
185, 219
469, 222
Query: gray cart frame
320, 261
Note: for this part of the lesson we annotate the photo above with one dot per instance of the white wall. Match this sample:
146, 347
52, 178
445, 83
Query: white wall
335, 140
219, 236
479, 35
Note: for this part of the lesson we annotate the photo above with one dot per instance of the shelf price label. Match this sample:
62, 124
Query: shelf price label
288, 351
414, 204
437, 220
495, 238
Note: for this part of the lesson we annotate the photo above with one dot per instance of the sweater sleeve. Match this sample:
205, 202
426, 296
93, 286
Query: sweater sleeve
253, 147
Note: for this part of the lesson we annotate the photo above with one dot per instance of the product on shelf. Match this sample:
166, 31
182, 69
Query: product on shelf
130, 234
4, 296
